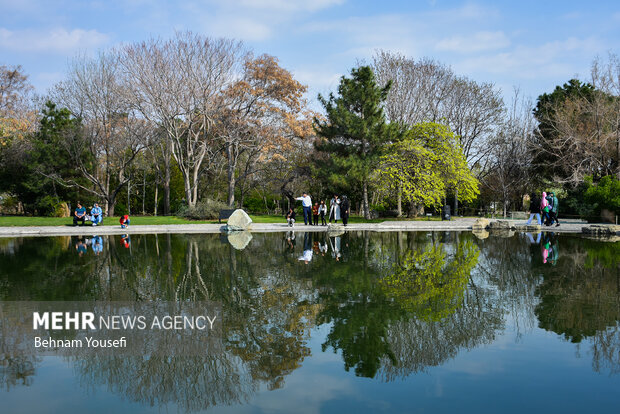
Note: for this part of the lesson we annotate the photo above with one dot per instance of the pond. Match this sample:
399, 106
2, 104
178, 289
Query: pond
316, 322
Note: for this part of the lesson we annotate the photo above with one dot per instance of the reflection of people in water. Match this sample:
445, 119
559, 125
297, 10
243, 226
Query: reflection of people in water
531, 238
307, 256
97, 244
81, 247
290, 239
549, 249
125, 241
335, 247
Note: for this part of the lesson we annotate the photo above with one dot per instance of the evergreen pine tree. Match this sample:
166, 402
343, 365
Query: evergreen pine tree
355, 131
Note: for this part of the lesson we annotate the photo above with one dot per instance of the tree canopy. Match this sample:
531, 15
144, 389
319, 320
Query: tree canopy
355, 132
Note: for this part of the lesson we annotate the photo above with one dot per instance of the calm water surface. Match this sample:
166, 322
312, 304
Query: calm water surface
359, 322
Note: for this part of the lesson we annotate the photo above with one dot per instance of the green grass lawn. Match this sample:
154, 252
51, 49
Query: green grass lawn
7, 221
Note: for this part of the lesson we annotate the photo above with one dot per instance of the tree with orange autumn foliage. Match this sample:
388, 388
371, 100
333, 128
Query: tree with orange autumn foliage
265, 112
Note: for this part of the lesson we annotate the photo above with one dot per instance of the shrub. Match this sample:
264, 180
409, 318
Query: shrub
605, 194
48, 206
204, 210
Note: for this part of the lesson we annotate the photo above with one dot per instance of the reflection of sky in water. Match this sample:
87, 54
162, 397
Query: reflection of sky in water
520, 368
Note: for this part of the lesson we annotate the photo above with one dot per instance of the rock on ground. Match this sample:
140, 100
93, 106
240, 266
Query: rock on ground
499, 225
480, 224
601, 229
238, 221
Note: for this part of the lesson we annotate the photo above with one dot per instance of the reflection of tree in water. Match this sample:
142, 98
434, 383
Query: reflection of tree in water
510, 265
580, 299
267, 316
418, 315
192, 383
396, 303
17, 370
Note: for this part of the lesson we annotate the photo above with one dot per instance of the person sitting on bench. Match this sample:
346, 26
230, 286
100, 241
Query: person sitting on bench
79, 214
95, 214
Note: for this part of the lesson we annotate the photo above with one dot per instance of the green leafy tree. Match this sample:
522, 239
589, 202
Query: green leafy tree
355, 132
425, 165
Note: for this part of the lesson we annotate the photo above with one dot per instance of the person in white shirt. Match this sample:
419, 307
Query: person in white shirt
334, 209
306, 203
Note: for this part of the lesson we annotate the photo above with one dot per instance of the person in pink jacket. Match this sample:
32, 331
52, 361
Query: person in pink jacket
544, 208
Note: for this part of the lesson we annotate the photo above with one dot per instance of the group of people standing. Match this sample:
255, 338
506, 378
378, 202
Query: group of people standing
339, 209
546, 206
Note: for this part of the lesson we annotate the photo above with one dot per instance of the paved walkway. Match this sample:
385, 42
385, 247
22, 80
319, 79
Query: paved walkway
458, 224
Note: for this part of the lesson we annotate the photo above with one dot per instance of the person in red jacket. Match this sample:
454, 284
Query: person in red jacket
124, 220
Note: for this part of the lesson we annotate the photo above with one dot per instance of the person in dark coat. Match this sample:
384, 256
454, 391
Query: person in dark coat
345, 209
553, 208
534, 209
290, 217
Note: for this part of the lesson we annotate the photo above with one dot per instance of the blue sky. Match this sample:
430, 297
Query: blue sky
534, 45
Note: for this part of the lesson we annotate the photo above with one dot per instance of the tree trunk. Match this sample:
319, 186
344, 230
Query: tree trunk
365, 206
110, 204
231, 176
167, 184
399, 200
156, 194
456, 202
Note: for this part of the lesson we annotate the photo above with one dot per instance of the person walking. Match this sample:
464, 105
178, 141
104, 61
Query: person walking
544, 208
553, 209
323, 212
290, 217
315, 214
306, 203
534, 209
334, 209
345, 209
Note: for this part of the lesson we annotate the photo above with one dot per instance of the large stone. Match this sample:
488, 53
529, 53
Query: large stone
480, 224
240, 239
499, 225
238, 221
601, 229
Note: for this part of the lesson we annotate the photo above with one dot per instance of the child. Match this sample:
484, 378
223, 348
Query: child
315, 213
124, 220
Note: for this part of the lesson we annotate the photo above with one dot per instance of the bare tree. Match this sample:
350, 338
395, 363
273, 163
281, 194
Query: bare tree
176, 84
16, 114
265, 109
428, 91
579, 126
606, 78
111, 134
508, 171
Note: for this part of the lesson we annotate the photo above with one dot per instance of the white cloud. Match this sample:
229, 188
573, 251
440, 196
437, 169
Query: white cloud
239, 27
54, 41
549, 60
477, 42
286, 5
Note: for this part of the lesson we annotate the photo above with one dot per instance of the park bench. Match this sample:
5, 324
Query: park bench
225, 214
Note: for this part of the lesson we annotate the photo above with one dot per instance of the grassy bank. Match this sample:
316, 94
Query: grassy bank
12, 221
